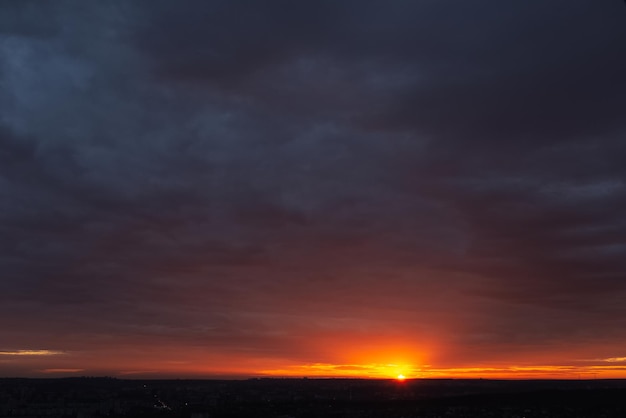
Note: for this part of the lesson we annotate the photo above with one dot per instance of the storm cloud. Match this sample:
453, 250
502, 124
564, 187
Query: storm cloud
275, 178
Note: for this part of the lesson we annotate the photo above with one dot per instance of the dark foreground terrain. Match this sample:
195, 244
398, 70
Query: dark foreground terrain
282, 398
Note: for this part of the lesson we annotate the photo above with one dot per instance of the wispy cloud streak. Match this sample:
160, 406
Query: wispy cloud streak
31, 353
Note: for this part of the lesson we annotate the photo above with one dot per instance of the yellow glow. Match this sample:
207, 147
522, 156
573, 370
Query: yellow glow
401, 371
30, 353
373, 370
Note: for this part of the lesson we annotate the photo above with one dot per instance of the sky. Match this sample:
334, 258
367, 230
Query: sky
240, 188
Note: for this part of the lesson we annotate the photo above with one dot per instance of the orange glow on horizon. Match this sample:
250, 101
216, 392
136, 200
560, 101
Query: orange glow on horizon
371, 371
401, 372
397, 372
378, 362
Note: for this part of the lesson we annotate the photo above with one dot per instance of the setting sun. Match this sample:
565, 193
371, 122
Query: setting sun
401, 377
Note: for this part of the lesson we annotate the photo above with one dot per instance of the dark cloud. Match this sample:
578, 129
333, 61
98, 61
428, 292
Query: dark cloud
278, 178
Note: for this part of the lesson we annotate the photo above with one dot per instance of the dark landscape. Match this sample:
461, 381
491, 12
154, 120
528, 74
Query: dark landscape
281, 398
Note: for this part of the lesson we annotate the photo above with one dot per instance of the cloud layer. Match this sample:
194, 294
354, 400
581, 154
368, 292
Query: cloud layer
312, 183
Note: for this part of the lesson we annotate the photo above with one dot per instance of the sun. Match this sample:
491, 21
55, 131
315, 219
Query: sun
401, 377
